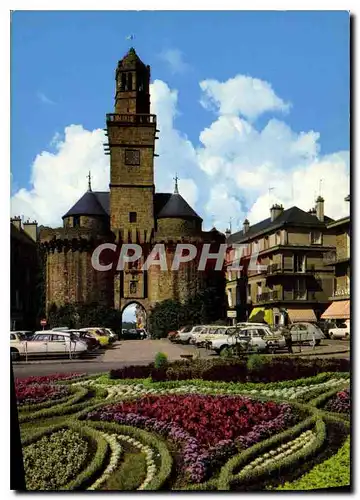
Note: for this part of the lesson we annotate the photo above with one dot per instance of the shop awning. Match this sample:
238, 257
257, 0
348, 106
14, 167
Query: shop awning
260, 314
339, 309
297, 315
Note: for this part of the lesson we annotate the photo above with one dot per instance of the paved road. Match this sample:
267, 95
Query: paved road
142, 352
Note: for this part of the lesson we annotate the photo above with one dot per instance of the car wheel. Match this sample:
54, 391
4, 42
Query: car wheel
188, 341
14, 353
223, 349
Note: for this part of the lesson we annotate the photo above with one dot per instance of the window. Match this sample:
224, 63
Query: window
132, 216
12, 336
230, 302
255, 246
278, 238
133, 286
76, 221
300, 289
58, 338
266, 242
132, 157
259, 288
299, 263
130, 81
316, 237
42, 338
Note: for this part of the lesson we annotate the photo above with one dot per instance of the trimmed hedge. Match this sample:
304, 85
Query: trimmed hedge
256, 368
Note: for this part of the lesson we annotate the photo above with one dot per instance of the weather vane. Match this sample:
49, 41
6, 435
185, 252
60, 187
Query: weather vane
89, 181
176, 190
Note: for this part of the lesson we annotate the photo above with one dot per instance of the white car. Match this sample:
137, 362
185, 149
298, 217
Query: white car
186, 334
256, 338
46, 343
342, 331
303, 332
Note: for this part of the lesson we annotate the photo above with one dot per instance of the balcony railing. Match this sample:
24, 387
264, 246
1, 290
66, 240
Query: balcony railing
278, 268
342, 292
267, 296
137, 119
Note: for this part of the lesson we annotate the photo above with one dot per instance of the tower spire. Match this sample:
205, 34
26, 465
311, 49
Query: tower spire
176, 189
89, 181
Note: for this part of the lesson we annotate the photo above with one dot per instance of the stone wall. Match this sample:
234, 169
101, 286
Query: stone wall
71, 278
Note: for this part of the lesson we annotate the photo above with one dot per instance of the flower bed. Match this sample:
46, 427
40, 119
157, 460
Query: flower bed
340, 403
205, 428
189, 435
38, 393
48, 379
53, 460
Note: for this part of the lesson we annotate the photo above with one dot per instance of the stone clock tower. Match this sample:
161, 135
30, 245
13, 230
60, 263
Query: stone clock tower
131, 131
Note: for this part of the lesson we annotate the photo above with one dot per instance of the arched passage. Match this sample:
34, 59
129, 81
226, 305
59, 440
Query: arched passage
134, 316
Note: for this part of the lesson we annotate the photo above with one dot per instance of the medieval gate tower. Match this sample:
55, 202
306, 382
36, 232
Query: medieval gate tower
133, 212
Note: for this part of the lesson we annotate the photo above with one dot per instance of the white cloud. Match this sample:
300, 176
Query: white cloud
44, 99
59, 179
228, 174
242, 95
175, 60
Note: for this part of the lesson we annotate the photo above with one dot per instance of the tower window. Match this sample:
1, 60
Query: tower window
130, 81
132, 216
132, 157
76, 221
123, 82
133, 286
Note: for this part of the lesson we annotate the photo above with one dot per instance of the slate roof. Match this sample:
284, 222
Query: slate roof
177, 207
98, 203
89, 204
293, 216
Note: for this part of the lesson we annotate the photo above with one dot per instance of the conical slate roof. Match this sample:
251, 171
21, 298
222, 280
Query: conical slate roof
87, 205
177, 207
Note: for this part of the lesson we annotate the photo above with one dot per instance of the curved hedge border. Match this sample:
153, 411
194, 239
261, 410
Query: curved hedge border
56, 410
226, 476
333, 472
147, 438
96, 461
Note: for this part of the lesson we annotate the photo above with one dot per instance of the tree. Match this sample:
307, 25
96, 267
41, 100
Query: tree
164, 317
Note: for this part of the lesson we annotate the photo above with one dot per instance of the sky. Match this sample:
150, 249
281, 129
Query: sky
252, 107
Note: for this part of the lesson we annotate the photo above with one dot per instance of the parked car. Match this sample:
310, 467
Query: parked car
303, 332
46, 343
91, 342
25, 333
185, 334
342, 331
98, 335
106, 331
251, 338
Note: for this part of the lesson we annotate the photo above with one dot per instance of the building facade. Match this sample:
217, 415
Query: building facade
24, 274
132, 212
339, 298
290, 280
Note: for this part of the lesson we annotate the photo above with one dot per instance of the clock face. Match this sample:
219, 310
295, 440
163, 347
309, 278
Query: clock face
132, 157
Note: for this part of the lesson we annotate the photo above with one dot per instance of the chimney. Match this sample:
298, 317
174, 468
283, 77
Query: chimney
320, 208
275, 211
16, 221
312, 211
246, 225
31, 229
